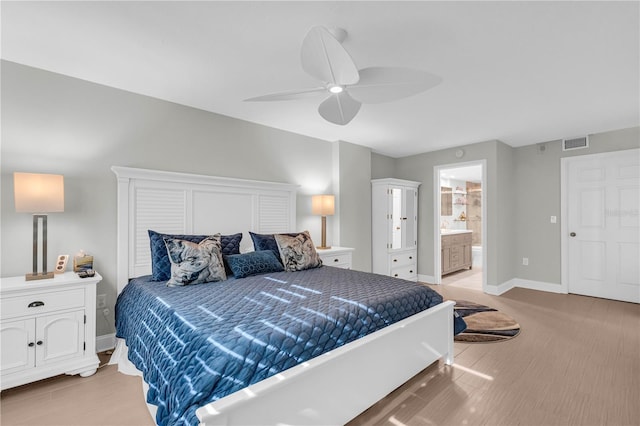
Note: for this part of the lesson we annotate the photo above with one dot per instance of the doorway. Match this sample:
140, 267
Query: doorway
460, 225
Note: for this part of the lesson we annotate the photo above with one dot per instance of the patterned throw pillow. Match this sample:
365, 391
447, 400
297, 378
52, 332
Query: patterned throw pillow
253, 263
297, 252
160, 265
195, 263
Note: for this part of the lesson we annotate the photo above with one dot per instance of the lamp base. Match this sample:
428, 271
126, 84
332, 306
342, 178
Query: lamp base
323, 247
40, 276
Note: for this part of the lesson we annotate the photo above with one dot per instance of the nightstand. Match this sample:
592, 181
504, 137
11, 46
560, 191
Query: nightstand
47, 327
339, 257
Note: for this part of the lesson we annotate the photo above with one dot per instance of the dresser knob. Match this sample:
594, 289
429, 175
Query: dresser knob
395, 275
410, 257
411, 272
336, 260
395, 260
31, 344
39, 342
35, 304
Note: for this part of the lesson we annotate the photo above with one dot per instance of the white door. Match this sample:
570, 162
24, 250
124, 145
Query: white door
603, 225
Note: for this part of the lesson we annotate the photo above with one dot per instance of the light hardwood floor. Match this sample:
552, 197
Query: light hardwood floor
466, 278
575, 362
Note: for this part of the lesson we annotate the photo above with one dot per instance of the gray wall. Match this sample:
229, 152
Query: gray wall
355, 202
57, 124
382, 166
537, 189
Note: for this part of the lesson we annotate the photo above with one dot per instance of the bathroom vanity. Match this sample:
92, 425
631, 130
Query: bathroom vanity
456, 250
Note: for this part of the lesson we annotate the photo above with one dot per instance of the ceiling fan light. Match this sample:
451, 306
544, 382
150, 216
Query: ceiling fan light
336, 89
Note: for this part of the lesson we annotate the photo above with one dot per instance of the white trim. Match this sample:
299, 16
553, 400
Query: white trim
497, 290
437, 260
105, 342
538, 285
522, 283
426, 278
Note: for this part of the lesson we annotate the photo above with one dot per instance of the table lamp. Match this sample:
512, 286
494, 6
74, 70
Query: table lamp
39, 194
323, 205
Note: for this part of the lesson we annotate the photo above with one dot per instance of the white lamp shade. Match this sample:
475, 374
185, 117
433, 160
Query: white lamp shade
38, 193
323, 205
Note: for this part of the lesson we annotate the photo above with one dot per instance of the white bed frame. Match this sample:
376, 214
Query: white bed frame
330, 389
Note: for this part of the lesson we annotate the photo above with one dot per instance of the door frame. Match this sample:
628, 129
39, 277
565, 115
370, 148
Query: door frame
564, 205
437, 247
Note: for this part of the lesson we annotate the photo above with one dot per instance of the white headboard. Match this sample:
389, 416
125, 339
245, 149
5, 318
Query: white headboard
182, 203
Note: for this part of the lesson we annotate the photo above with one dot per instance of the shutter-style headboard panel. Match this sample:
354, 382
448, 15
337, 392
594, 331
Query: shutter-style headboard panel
182, 203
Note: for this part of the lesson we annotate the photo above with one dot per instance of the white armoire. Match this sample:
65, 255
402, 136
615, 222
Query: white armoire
394, 233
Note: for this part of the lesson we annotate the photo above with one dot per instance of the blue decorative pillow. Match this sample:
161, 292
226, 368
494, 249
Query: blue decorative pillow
265, 242
160, 264
195, 263
253, 263
297, 251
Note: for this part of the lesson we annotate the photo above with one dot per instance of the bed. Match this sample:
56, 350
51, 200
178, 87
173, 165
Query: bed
329, 362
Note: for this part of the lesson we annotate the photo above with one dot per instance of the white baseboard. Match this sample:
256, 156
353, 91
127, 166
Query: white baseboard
539, 285
429, 279
105, 342
497, 290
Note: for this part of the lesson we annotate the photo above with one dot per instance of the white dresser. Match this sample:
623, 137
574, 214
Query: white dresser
339, 257
47, 327
394, 233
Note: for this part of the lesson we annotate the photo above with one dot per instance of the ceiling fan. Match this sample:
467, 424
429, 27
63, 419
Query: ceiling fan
324, 58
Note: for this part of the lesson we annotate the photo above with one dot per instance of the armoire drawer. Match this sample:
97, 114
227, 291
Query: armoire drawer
405, 258
407, 272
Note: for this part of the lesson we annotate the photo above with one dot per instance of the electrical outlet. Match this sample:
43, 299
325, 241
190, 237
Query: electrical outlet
525, 261
101, 301
554, 219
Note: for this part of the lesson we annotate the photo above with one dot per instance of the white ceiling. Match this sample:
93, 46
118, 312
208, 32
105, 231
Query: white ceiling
519, 72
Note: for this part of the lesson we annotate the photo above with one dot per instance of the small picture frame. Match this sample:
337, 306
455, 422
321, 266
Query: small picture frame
82, 263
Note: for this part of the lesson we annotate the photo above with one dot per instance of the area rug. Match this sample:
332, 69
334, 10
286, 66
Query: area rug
484, 324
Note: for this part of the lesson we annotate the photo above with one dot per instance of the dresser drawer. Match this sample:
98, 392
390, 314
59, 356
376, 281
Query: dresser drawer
41, 303
405, 258
407, 272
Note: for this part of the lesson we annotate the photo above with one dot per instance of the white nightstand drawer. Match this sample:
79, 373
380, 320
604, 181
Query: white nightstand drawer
338, 257
42, 302
336, 260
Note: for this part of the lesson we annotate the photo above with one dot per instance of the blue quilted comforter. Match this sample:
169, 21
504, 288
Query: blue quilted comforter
196, 344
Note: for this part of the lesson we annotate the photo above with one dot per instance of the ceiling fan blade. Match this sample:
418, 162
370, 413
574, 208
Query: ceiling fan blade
385, 84
288, 95
339, 108
324, 58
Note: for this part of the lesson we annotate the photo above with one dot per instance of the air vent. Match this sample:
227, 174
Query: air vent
575, 143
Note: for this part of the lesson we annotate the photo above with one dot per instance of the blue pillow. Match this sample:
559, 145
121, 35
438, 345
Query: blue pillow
253, 263
265, 242
160, 264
